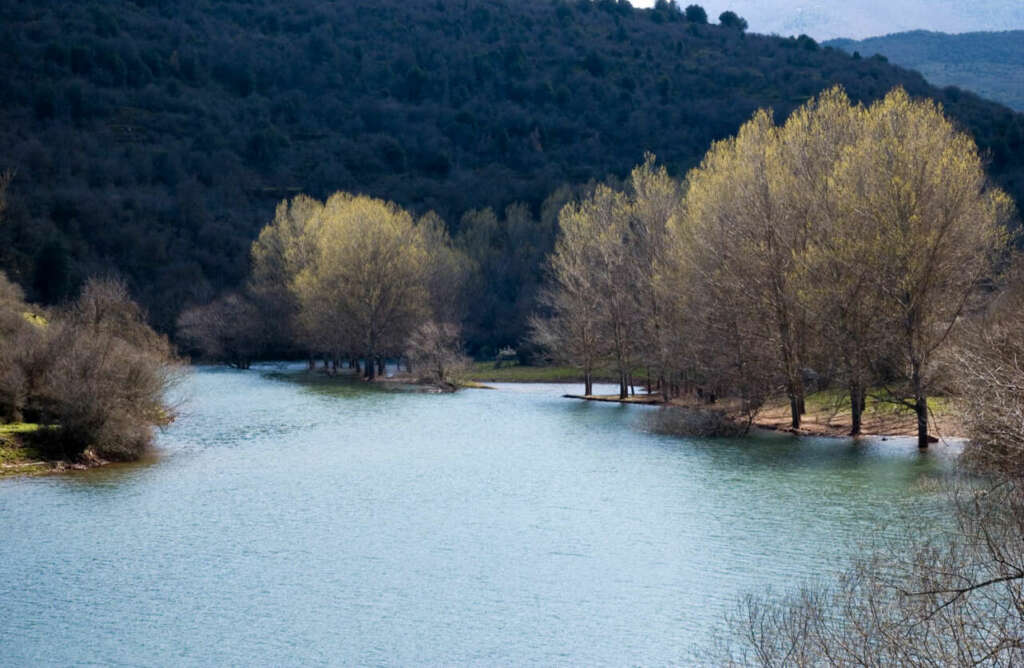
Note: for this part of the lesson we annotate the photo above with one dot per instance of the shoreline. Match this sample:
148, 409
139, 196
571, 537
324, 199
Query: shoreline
20, 459
831, 422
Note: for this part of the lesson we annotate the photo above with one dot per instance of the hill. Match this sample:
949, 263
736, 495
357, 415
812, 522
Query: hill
990, 64
154, 138
824, 20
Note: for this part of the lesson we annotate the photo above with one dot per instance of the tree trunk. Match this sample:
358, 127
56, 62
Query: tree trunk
856, 407
381, 367
369, 366
623, 388
920, 406
794, 410
588, 384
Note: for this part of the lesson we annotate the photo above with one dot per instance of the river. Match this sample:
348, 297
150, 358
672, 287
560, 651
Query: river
284, 521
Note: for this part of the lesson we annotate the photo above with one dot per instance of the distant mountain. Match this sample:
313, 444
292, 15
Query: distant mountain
154, 138
990, 64
857, 19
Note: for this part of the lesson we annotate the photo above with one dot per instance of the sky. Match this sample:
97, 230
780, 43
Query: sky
857, 19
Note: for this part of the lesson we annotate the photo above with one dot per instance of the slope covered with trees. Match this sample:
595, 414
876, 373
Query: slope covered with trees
990, 64
155, 138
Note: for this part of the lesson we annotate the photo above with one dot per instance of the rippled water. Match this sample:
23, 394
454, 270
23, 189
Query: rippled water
292, 522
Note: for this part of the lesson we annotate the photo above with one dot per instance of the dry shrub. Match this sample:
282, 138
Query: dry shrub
698, 422
946, 599
435, 353
95, 372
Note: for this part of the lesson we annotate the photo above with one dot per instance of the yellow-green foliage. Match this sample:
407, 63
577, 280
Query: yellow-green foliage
864, 229
361, 273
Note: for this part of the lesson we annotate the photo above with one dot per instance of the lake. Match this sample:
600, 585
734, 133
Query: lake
289, 521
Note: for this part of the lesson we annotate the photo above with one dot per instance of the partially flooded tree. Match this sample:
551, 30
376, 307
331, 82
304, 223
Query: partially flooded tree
572, 332
595, 314
655, 199
928, 229
837, 306
746, 245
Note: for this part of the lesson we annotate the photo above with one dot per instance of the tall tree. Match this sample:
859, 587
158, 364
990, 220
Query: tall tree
365, 289
748, 243
929, 225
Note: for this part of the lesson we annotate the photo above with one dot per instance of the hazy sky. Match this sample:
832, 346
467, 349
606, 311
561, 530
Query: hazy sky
825, 19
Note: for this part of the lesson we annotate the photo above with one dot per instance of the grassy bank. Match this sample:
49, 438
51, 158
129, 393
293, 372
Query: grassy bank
16, 456
484, 372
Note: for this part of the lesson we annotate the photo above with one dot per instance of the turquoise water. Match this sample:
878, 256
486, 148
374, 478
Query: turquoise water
285, 522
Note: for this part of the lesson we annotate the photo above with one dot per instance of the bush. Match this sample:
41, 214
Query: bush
95, 372
697, 422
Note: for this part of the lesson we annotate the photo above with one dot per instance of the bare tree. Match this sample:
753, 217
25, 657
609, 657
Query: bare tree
436, 350
230, 329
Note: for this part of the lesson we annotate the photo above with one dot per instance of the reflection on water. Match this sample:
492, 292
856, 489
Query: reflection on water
289, 520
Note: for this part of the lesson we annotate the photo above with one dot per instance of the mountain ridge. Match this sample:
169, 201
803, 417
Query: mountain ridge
990, 64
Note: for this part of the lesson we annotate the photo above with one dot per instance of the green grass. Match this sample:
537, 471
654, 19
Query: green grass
19, 428
835, 398
16, 458
485, 372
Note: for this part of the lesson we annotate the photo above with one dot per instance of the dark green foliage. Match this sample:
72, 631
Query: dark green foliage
156, 138
990, 64
696, 14
732, 20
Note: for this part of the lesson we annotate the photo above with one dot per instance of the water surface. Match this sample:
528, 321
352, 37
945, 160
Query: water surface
286, 522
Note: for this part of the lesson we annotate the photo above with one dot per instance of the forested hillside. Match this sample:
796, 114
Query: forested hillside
990, 64
154, 139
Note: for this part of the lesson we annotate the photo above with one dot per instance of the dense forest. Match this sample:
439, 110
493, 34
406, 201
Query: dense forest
990, 64
153, 139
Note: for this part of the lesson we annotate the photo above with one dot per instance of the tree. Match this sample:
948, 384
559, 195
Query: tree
987, 358
283, 249
231, 329
654, 200
365, 290
436, 348
730, 19
838, 308
746, 245
696, 14
17, 342
929, 226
